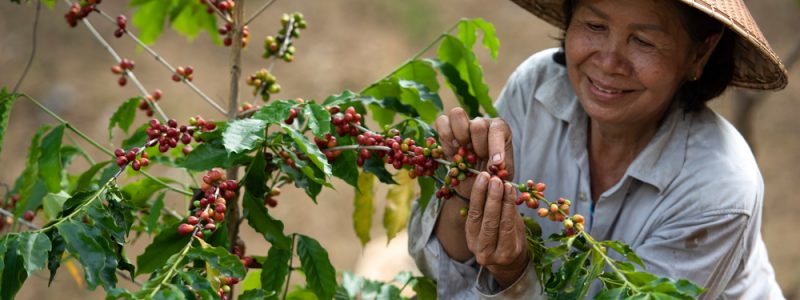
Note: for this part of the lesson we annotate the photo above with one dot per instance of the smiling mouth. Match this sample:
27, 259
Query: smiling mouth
606, 90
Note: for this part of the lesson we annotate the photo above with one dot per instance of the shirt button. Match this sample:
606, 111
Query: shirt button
582, 196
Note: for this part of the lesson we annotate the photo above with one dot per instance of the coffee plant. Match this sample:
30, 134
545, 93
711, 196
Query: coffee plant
53, 217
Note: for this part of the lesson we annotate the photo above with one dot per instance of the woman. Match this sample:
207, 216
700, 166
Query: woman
616, 120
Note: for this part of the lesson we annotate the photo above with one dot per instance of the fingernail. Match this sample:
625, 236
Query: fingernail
497, 158
455, 143
481, 179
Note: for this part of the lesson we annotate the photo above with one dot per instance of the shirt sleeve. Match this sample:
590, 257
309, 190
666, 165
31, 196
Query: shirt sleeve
454, 279
704, 249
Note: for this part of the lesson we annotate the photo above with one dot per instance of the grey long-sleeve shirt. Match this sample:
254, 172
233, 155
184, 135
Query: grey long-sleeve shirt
690, 203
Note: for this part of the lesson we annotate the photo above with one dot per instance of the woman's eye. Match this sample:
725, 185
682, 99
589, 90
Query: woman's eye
594, 27
642, 42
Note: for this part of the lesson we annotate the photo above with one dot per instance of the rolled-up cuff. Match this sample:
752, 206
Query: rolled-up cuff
525, 287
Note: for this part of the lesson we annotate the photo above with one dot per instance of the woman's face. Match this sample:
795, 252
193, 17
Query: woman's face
627, 58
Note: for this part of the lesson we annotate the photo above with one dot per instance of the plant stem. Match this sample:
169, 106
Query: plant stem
174, 265
33, 48
166, 64
609, 261
289, 274
258, 12
233, 109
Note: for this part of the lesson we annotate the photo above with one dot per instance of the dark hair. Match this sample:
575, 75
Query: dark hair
718, 71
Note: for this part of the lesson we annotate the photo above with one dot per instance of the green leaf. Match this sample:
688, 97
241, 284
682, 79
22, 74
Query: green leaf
53, 203
54, 257
255, 294
555, 253
33, 247
275, 112
244, 135
252, 281
220, 259
427, 187
425, 288
301, 294
253, 203
625, 250
13, 274
364, 207
420, 71
140, 191
398, 204
612, 294
93, 251
151, 221
467, 33
50, 159
124, 116
192, 19
207, 156
425, 102
278, 265
150, 17
310, 150
376, 166
452, 51
137, 138
319, 119
345, 167
639, 278
25, 183
85, 180
6, 102
164, 245
314, 262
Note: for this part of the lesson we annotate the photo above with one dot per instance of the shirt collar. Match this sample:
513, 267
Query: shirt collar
659, 162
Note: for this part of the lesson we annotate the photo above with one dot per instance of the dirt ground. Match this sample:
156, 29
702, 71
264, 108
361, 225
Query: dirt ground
349, 44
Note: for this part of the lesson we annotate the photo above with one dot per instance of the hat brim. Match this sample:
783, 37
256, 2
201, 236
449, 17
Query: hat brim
756, 64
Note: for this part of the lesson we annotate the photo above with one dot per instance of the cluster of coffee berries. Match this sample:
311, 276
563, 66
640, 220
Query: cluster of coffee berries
211, 207
559, 212
282, 45
122, 69
264, 84
168, 135
499, 171
530, 193
420, 159
144, 104
246, 106
227, 31
287, 158
225, 286
463, 160
346, 123
182, 73
225, 6
122, 22
329, 141
269, 199
80, 10
132, 157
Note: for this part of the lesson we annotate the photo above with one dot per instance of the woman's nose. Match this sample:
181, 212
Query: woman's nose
612, 58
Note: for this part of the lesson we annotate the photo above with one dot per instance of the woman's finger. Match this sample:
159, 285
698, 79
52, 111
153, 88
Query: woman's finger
479, 132
508, 242
499, 143
459, 125
446, 138
475, 213
490, 225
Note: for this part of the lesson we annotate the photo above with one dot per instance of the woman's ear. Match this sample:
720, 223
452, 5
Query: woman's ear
703, 53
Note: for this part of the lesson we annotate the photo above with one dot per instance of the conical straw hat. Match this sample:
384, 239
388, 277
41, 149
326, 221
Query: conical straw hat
757, 66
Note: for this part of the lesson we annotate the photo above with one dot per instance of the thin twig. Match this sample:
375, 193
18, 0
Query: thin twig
33, 48
258, 12
166, 64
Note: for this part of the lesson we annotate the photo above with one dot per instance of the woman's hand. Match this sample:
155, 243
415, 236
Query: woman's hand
495, 230
490, 139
